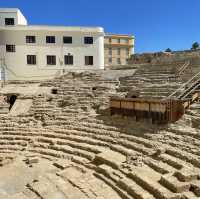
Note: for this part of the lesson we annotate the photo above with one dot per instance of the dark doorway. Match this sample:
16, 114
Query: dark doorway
133, 96
54, 91
94, 88
11, 100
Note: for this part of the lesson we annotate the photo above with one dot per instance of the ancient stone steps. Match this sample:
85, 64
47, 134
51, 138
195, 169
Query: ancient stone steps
189, 195
155, 188
186, 133
161, 167
183, 145
123, 150
65, 150
92, 140
128, 144
133, 144
14, 138
67, 188
121, 192
173, 184
140, 140
69, 150
172, 161
85, 181
195, 187
122, 182
20, 134
82, 146
48, 153
184, 156
136, 147
88, 147
9, 148
13, 142
15, 146
76, 137
45, 189
170, 136
72, 132
99, 126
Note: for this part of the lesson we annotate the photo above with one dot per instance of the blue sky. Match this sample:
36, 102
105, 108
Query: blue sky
156, 24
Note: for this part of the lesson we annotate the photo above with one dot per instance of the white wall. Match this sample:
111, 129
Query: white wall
16, 62
21, 19
12, 13
7, 15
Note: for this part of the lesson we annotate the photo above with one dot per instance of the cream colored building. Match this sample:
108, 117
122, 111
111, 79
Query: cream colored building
30, 52
118, 49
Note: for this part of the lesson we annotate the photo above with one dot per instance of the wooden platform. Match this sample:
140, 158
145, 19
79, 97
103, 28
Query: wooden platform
154, 110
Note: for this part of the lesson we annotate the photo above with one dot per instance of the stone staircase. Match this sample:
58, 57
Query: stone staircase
157, 81
108, 157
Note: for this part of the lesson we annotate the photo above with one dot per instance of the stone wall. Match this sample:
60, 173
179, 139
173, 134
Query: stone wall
165, 57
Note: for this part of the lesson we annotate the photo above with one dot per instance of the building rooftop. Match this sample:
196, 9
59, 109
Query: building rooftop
54, 28
118, 35
9, 10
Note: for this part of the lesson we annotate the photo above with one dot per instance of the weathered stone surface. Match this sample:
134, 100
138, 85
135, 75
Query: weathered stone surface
84, 153
111, 158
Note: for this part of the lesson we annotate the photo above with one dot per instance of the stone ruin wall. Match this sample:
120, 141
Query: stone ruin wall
166, 58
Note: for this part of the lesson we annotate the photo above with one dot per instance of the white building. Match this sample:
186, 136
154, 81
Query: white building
42, 52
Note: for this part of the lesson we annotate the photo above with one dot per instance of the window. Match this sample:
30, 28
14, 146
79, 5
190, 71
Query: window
51, 60
127, 61
110, 40
110, 51
118, 61
10, 48
68, 59
9, 21
118, 51
119, 41
88, 40
30, 39
50, 39
31, 59
88, 60
67, 40
110, 60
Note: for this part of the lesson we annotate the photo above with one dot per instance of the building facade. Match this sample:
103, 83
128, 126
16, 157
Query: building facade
118, 49
42, 52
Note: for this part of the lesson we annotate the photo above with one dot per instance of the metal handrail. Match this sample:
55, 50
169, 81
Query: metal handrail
184, 96
183, 86
189, 89
185, 65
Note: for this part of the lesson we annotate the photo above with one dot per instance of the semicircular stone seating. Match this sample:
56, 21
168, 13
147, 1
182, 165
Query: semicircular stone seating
70, 148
